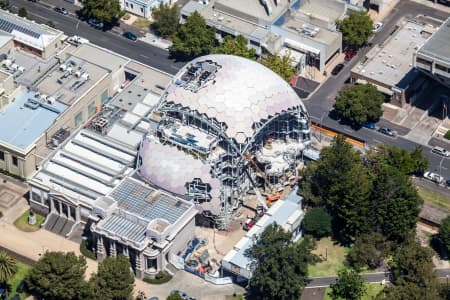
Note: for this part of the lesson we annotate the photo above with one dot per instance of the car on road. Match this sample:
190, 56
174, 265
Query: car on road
377, 27
433, 177
61, 10
349, 54
386, 130
95, 23
338, 68
249, 223
370, 125
441, 151
447, 182
130, 36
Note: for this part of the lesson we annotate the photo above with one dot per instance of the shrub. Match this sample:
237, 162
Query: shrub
86, 250
447, 135
1, 214
160, 278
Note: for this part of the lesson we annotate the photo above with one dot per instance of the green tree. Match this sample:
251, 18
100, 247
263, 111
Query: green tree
281, 270
8, 267
23, 12
444, 233
114, 280
51, 24
317, 222
350, 286
369, 250
58, 276
421, 162
106, 11
340, 182
407, 291
359, 103
356, 29
280, 65
235, 46
5, 4
412, 263
193, 38
166, 19
395, 204
174, 297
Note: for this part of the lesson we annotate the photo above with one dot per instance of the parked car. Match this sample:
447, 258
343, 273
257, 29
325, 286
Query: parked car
95, 23
386, 130
441, 151
448, 182
377, 27
130, 36
370, 125
249, 224
349, 54
61, 10
433, 177
338, 68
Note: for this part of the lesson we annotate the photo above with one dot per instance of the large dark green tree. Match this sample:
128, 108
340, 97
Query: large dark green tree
280, 268
58, 276
340, 182
8, 267
280, 65
317, 222
235, 46
166, 19
444, 233
359, 103
368, 250
395, 204
193, 38
412, 263
114, 280
349, 286
406, 291
106, 11
5, 4
356, 29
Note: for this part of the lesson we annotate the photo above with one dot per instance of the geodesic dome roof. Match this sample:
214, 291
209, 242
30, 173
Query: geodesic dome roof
243, 92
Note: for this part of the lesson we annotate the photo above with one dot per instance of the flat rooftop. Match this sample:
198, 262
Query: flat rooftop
327, 10
438, 46
28, 32
67, 89
22, 124
323, 35
100, 57
152, 79
390, 63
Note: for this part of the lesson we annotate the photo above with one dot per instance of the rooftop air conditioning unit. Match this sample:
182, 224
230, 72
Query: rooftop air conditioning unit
63, 67
60, 136
51, 100
85, 76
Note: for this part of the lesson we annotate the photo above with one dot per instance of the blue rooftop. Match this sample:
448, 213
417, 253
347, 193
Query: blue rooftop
24, 120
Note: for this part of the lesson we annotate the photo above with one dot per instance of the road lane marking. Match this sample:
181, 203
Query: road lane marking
377, 141
144, 56
348, 130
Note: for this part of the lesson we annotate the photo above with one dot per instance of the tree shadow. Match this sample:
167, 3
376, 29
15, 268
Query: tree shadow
437, 245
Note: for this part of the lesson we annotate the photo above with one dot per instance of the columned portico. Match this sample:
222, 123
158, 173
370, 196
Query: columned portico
64, 208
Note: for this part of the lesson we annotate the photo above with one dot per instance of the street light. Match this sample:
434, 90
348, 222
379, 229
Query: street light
440, 166
320, 126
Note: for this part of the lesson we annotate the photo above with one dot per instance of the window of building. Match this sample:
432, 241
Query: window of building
131, 5
15, 161
423, 61
2, 155
36, 194
79, 119
442, 68
126, 4
142, 10
91, 108
104, 97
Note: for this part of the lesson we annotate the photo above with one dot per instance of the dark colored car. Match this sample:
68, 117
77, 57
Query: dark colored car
349, 54
448, 182
61, 10
95, 23
370, 125
130, 36
386, 131
338, 68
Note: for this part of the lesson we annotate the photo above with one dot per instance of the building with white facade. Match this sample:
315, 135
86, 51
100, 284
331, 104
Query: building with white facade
143, 8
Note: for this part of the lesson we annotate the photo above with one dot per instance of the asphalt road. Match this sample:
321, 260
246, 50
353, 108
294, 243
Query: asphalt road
322, 101
140, 51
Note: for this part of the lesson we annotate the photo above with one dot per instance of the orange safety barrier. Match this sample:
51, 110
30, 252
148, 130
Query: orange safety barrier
333, 134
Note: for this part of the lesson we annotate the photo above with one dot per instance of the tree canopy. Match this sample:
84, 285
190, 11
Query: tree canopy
359, 103
281, 270
5, 4
444, 233
350, 286
356, 29
193, 38
317, 222
106, 11
166, 19
395, 204
280, 65
58, 276
8, 267
235, 46
22, 12
368, 250
114, 280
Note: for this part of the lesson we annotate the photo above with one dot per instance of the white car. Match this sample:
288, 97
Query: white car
377, 27
433, 177
441, 151
77, 40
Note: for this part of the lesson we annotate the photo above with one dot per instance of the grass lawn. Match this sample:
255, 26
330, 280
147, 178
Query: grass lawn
141, 23
237, 297
22, 271
432, 197
22, 222
334, 262
372, 290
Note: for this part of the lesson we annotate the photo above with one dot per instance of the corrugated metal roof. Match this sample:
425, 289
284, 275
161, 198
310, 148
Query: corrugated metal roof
120, 226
